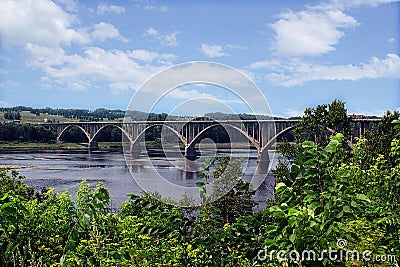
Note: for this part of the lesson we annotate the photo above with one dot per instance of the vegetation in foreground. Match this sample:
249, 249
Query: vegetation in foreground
330, 198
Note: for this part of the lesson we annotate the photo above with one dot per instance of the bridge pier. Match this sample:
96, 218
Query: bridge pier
263, 156
190, 153
135, 150
93, 145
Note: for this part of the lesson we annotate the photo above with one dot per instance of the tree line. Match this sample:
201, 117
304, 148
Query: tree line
79, 114
16, 132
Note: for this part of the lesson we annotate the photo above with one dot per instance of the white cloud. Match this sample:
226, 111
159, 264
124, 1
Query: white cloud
155, 8
116, 68
111, 9
8, 84
309, 33
166, 39
344, 4
317, 29
3, 103
151, 31
212, 50
391, 40
103, 31
150, 5
235, 46
297, 72
198, 96
188, 94
170, 39
37, 21
43, 23
293, 113
367, 112
150, 56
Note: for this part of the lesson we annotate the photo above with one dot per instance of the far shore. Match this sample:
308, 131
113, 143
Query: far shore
103, 146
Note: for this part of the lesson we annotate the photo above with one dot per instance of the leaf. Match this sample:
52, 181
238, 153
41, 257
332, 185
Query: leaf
293, 212
5, 196
274, 209
310, 162
308, 144
271, 228
7, 204
362, 197
339, 215
202, 175
200, 184
280, 187
310, 196
116, 256
292, 221
346, 209
338, 137
331, 147
292, 238
295, 169
313, 206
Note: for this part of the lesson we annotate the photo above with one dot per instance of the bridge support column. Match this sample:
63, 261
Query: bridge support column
93, 145
135, 150
262, 162
190, 153
362, 129
263, 156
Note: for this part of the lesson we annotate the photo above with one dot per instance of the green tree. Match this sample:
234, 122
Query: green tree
379, 138
316, 122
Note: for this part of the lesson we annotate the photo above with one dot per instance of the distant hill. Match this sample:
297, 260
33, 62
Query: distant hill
36, 115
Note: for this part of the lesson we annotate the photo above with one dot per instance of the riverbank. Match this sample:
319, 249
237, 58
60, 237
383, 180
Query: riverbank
54, 147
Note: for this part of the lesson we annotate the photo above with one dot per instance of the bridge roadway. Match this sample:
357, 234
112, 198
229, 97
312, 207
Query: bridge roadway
262, 134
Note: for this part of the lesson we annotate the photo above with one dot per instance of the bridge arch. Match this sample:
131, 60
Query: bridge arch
97, 134
181, 138
268, 145
67, 128
198, 137
273, 139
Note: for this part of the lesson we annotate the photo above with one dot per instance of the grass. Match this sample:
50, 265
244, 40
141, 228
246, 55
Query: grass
40, 146
104, 146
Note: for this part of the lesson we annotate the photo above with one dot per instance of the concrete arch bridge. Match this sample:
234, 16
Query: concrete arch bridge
262, 134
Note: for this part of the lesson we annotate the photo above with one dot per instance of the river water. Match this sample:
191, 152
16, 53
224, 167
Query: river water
64, 170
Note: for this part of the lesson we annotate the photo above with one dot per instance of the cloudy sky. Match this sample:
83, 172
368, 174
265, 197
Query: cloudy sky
91, 54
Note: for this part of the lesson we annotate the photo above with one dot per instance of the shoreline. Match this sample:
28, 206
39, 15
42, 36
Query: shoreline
103, 147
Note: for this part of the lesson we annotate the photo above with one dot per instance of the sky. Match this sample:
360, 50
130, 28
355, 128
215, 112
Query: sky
99, 54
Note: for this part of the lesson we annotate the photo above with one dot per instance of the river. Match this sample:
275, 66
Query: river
64, 170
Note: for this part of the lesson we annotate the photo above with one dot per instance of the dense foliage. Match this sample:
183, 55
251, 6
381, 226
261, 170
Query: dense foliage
11, 115
379, 138
316, 122
25, 133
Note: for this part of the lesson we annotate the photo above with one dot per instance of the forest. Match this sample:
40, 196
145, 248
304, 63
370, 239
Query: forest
333, 206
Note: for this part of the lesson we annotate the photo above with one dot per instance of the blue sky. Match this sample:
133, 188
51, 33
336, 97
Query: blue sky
91, 54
